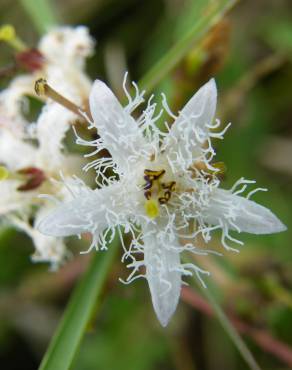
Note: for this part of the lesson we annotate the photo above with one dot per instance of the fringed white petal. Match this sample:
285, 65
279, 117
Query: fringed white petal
241, 214
13, 103
190, 130
163, 274
15, 153
66, 49
67, 46
48, 248
90, 211
12, 199
118, 130
52, 125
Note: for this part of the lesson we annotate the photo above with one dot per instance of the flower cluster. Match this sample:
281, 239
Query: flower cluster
32, 152
160, 186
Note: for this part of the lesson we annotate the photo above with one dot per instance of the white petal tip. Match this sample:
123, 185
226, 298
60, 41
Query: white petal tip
270, 223
100, 91
277, 226
164, 317
165, 306
164, 321
211, 85
212, 82
249, 216
264, 223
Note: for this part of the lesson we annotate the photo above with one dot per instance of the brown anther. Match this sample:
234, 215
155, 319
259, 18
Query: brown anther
165, 198
43, 88
30, 59
154, 175
209, 174
150, 176
148, 184
153, 185
35, 178
200, 166
169, 185
147, 194
162, 200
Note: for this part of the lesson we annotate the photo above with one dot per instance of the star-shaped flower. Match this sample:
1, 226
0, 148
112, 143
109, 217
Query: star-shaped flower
163, 189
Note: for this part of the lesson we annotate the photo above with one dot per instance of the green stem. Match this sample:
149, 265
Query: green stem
212, 15
41, 14
67, 338
230, 330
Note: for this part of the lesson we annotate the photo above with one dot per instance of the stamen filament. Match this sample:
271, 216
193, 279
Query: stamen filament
43, 88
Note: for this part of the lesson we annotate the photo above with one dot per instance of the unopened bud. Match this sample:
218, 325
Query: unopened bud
8, 34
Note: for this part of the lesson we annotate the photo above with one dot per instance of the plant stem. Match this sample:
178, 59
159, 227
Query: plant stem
67, 338
229, 329
213, 14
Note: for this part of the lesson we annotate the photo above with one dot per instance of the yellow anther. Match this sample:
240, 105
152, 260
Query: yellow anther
152, 208
8, 34
4, 173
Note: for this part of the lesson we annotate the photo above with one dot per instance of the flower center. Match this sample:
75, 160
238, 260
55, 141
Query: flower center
156, 191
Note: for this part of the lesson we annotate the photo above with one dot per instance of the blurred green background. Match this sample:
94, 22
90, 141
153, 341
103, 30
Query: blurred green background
250, 54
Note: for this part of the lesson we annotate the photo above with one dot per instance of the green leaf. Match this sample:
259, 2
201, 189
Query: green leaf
278, 33
79, 311
41, 14
107, 348
214, 12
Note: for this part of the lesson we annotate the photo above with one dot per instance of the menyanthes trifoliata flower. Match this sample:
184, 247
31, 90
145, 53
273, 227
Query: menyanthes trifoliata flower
164, 189
31, 153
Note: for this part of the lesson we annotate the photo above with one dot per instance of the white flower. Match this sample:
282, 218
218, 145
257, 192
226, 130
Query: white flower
27, 162
164, 189
65, 50
33, 152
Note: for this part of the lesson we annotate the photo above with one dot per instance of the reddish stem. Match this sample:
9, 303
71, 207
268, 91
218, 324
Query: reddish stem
261, 337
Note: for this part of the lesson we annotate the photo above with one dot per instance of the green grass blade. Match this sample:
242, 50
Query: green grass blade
214, 12
229, 329
41, 14
67, 338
